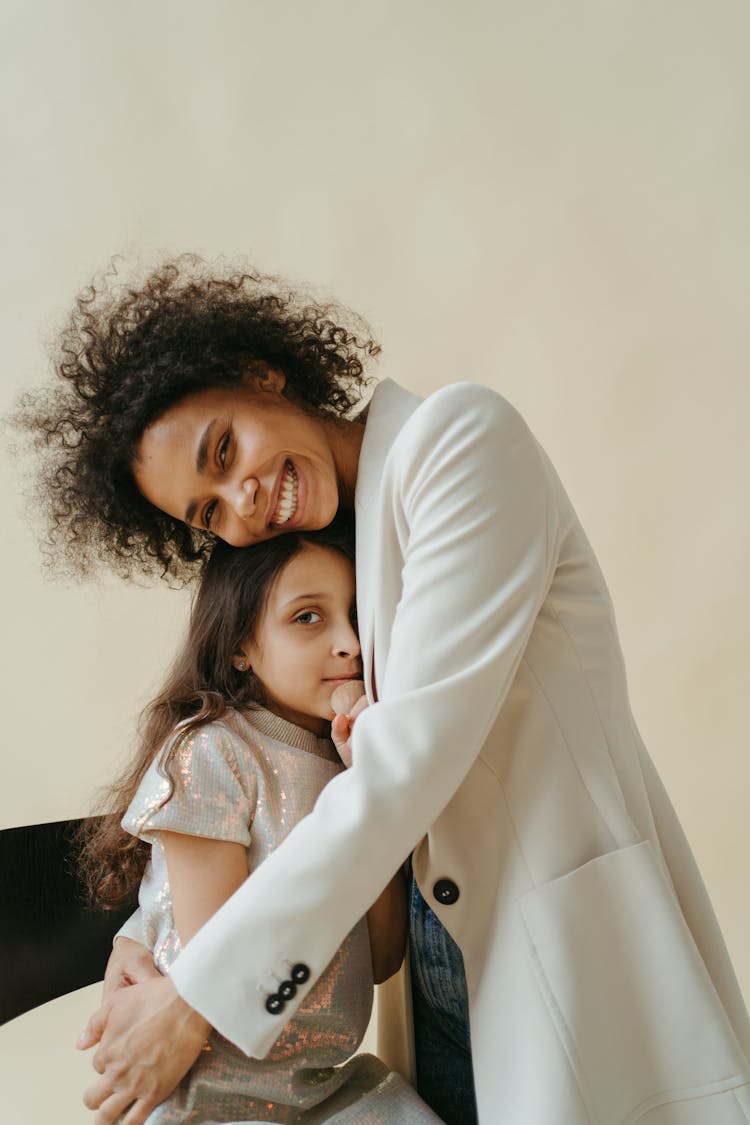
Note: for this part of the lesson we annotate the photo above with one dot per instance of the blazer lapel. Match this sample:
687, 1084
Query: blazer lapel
390, 408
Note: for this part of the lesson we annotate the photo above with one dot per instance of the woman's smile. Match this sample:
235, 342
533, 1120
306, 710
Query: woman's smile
287, 505
246, 463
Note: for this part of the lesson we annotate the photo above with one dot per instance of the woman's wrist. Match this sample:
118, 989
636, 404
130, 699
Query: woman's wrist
196, 1026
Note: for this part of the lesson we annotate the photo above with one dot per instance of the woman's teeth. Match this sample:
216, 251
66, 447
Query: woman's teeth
287, 502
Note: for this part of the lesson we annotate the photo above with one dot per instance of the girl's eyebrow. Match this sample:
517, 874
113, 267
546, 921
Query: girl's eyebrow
304, 597
201, 460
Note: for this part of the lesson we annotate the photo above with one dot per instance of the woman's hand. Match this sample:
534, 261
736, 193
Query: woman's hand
149, 1039
129, 963
348, 701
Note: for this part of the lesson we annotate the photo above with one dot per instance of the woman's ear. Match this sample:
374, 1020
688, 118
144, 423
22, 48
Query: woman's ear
262, 377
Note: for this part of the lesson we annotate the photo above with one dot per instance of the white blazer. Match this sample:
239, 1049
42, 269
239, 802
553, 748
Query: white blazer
502, 748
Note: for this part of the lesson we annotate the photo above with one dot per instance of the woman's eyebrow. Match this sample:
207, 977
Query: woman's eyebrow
201, 460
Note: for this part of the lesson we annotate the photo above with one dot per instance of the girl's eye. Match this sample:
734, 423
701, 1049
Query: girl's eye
309, 617
208, 515
223, 449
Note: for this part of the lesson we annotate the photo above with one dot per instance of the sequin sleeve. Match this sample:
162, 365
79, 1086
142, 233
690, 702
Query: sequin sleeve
214, 794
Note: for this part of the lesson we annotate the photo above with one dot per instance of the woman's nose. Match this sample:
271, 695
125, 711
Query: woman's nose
243, 497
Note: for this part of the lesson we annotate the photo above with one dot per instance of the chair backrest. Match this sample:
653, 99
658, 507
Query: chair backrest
51, 941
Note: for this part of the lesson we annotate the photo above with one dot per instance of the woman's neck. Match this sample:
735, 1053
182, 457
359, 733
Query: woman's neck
345, 438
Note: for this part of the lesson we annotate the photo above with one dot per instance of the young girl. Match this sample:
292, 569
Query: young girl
235, 751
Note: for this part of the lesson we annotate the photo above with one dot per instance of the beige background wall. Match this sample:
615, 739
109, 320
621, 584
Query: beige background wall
550, 198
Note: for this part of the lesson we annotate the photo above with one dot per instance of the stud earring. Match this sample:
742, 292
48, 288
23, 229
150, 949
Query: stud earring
241, 665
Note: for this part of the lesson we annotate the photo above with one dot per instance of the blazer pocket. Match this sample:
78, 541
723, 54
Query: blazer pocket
628, 990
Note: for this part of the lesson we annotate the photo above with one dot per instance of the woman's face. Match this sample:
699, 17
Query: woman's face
306, 644
242, 462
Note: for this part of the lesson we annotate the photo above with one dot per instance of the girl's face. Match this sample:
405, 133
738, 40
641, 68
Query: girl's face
243, 462
306, 643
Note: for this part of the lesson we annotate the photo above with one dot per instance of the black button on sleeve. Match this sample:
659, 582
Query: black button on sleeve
300, 973
275, 1004
287, 990
446, 892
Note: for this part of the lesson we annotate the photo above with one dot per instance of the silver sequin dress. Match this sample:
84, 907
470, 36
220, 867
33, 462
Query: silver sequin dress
249, 778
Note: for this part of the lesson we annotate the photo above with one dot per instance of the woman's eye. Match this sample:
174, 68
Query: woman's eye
208, 515
309, 617
223, 449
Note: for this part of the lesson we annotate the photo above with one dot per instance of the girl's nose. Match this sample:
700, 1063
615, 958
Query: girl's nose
346, 642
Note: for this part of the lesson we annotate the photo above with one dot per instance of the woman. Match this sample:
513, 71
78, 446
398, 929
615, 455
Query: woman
499, 750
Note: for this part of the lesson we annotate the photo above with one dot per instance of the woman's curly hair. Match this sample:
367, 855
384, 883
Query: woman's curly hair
126, 355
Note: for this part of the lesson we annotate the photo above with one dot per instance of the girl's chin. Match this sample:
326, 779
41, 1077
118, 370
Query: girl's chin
317, 724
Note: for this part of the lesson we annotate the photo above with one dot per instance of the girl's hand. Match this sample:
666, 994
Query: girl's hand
348, 701
129, 963
148, 1042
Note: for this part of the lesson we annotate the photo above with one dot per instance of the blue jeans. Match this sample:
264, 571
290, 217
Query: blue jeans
445, 1079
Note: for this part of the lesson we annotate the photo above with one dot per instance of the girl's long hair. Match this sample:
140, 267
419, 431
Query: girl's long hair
201, 685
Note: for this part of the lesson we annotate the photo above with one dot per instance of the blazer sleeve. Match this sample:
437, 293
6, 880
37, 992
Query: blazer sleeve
474, 502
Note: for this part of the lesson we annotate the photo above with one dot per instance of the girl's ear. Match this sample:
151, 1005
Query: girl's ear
260, 376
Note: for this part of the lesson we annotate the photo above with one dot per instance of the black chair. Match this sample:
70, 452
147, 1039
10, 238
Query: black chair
51, 941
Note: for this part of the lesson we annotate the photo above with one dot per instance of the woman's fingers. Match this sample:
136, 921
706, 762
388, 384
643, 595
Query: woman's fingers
99, 1092
345, 696
138, 1114
340, 734
94, 1029
111, 1108
100, 1060
150, 1039
138, 965
351, 703
340, 728
111, 1104
111, 1111
129, 963
358, 708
